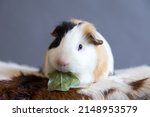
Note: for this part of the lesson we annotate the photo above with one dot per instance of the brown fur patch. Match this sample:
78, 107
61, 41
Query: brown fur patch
76, 21
101, 67
108, 92
34, 87
45, 68
136, 85
89, 33
138, 97
130, 96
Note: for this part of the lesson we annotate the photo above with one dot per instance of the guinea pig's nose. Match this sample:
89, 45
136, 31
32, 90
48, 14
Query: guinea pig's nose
62, 63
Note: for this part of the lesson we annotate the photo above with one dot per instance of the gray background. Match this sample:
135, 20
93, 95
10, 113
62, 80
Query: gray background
25, 27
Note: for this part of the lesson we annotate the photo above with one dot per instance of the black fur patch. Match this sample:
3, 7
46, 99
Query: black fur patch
59, 32
55, 43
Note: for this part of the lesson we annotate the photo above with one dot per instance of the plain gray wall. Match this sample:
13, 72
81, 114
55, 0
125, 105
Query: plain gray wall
25, 27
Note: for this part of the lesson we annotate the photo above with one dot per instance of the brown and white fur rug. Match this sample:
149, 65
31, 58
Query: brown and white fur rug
28, 83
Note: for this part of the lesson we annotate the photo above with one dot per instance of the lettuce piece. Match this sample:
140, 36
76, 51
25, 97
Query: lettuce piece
62, 81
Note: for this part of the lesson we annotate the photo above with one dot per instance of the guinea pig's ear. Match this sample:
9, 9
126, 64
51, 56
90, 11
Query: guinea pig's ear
94, 38
55, 32
92, 35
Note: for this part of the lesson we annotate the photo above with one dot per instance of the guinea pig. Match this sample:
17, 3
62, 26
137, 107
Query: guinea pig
79, 48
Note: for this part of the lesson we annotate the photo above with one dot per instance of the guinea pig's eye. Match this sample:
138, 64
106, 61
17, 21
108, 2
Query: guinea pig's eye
80, 47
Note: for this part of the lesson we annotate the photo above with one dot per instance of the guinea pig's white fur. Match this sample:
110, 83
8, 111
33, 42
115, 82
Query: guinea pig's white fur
91, 63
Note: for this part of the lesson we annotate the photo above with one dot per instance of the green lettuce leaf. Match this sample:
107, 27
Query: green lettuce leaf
62, 81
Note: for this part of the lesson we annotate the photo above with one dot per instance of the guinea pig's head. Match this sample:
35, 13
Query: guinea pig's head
77, 47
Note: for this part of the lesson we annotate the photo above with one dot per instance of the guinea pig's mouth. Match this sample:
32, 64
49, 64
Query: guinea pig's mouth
62, 69
65, 69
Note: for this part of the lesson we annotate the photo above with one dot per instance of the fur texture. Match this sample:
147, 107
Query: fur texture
90, 63
10, 70
131, 83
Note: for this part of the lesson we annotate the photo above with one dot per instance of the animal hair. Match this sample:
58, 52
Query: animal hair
20, 82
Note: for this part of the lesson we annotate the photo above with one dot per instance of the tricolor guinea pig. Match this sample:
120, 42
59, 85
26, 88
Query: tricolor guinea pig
79, 48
